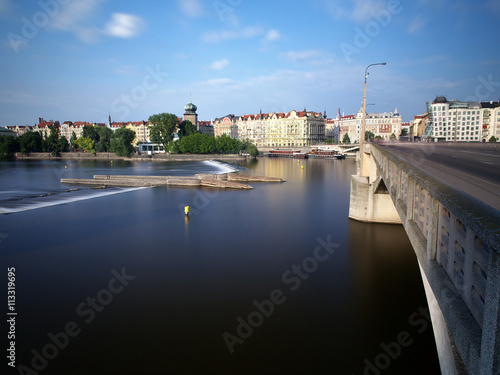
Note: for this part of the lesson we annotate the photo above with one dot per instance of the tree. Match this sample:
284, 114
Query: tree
252, 150
493, 139
162, 127
121, 142
63, 145
186, 128
91, 132
52, 141
87, 144
105, 134
30, 142
404, 132
393, 137
369, 135
346, 140
8, 146
72, 140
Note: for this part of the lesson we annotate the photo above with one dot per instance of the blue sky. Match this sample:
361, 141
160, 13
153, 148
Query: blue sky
82, 60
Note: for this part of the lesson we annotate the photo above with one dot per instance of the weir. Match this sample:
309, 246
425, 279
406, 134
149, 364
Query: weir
456, 239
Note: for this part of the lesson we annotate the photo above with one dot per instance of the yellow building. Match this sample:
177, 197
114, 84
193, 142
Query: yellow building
290, 129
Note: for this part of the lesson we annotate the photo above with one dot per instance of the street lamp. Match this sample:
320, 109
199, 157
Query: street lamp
363, 127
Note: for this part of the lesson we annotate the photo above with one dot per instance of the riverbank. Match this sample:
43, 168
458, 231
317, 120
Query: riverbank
112, 156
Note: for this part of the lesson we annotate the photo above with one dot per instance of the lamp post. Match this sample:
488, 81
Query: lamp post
363, 127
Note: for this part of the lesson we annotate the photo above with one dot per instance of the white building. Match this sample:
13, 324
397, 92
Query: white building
455, 121
381, 124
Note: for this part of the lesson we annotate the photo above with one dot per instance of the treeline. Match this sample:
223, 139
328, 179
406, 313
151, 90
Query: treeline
204, 144
93, 140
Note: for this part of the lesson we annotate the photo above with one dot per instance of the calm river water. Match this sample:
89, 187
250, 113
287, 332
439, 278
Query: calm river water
276, 280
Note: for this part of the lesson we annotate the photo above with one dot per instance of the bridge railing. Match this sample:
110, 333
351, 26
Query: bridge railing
457, 241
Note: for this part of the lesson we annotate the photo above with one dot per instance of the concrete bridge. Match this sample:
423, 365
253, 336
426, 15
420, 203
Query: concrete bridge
457, 242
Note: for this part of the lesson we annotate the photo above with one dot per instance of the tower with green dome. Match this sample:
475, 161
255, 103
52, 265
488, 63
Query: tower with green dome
190, 114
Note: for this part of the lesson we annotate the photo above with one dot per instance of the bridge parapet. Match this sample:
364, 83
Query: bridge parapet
457, 241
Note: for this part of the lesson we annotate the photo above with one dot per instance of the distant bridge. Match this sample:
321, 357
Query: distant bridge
457, 242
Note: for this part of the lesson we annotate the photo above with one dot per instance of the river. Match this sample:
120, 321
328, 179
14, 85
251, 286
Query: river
275, 280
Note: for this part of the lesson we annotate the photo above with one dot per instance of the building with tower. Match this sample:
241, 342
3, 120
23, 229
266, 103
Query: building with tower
191, 115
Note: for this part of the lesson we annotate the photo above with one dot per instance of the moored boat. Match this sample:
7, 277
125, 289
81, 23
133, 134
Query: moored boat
287, 153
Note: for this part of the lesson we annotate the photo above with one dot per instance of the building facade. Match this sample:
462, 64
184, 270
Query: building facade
226, 125
380, 124
455, 121
292, 129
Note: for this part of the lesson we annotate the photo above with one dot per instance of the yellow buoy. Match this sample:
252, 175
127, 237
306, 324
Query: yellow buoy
186, 210
65, 167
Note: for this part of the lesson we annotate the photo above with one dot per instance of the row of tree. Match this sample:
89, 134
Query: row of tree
93, 140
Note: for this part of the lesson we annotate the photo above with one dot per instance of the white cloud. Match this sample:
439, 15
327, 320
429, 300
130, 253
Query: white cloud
365, 9
191, 8
219, 64
333, 7
223, 35
303, 55
78, 17
310, 57
273, 35
124, 25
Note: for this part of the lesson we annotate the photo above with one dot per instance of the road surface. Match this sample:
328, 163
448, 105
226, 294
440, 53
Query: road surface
474, 170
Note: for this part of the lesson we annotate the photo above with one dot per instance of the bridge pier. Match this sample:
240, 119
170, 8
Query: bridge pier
370, 201
456, 239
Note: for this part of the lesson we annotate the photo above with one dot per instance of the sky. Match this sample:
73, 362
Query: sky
83, 60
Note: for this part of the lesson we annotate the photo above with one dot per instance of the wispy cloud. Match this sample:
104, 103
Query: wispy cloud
124, 25
219, 64
334, 8
365, 9
76, 17
191, 8
79, 18
417, 24
223, 35
272, 35
312, 57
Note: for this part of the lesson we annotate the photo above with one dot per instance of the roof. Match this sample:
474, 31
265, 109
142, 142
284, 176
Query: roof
490, 104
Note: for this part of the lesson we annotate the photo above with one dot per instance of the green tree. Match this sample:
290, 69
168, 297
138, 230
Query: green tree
104, 143
30, 142
72, 145
121, 142
346, 140
8, 146
91, 132
52, 141
404, 132
162, 127
493, 139
186, 128
63, 144
369, 135
393, 137
252, 150
86, 144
